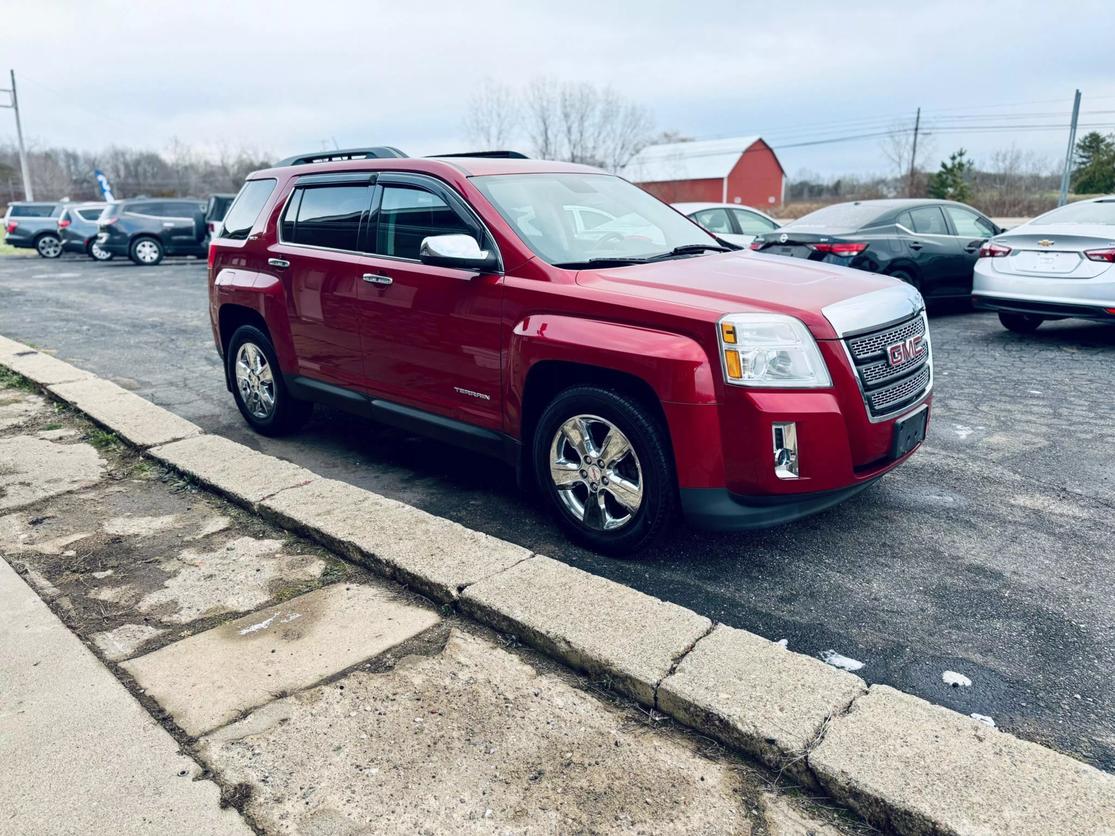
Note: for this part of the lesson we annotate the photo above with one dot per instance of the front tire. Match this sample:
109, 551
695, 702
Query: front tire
603, 462
258, 387
146, 252
48, 246
1020, 323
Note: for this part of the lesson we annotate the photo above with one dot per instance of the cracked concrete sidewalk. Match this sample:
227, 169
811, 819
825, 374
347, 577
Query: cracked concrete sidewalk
226, 677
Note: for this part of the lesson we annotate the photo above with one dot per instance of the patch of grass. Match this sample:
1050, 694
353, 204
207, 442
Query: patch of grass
15, 251
53, 425
11, 380
103, 439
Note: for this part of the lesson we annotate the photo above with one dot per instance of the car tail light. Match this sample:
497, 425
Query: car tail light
844, 249
990, 250
64, 222
1107, 255
756, 245
11, 227
212, 256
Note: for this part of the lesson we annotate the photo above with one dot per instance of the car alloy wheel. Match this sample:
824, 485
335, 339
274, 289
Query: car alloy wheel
49, 246
255, 381
100, 254
596, 473
147, 252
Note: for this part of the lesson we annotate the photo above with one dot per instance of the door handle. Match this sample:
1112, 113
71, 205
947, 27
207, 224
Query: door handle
914, 245
971, 248
280, 263
375, 278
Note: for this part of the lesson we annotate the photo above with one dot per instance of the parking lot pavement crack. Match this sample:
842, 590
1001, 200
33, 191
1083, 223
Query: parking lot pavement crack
680, 657
819, 737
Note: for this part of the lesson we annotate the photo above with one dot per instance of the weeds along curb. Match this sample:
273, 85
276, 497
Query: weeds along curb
895, 759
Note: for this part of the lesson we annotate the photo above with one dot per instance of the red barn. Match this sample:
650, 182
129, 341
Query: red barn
739, 170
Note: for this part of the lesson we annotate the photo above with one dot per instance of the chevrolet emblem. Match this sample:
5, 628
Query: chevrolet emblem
1045, 242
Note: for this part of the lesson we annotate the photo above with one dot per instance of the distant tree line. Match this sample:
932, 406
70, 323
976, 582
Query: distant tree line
180, 171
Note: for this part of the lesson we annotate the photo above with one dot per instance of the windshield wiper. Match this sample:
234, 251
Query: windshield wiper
612, 261
691, 249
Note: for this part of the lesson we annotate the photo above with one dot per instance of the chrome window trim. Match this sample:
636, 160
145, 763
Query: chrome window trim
286, 202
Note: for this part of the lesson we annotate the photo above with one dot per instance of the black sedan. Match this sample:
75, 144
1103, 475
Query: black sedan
932, 244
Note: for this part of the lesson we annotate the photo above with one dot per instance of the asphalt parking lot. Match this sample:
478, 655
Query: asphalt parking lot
988, 555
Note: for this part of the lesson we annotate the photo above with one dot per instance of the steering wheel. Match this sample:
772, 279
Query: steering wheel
609, 237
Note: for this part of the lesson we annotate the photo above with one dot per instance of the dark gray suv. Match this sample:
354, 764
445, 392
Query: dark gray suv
34, 226
147, 229
77, 225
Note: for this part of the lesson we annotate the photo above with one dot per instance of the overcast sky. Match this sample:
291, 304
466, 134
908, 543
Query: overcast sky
285, 78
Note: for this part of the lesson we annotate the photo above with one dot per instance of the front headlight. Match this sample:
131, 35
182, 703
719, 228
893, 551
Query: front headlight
770, 350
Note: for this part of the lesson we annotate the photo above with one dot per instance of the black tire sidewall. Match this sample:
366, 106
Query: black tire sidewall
288, 414
1020, 323
89, 252
137, 242
650, 441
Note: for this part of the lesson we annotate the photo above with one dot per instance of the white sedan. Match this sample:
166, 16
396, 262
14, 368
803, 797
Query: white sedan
734, 223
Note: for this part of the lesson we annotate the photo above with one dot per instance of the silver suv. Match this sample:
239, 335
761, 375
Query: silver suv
34, 226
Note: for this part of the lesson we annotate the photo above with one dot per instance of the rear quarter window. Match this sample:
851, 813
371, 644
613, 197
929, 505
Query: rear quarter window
34, 211
245, 209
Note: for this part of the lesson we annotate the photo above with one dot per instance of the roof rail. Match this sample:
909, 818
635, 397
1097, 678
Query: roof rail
378, 152
495, 155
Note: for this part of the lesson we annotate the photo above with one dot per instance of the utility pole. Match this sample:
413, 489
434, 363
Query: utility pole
28, 194
913, 155
1064, 197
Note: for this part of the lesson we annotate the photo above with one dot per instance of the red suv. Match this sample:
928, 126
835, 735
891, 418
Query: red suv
563, 320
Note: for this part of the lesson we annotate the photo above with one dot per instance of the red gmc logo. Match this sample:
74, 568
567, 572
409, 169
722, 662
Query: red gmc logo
906, 350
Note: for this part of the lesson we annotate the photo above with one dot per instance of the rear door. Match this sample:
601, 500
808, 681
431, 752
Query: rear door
935, 251
178, 224
431, 334
317, 258
971, 230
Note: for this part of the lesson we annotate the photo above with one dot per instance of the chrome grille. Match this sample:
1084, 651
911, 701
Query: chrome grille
887, 389
872, 345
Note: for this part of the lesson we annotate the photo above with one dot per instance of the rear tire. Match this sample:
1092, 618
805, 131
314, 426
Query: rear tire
603, 462
48, 246
146, 252
1020, 323
903, 275
258, 387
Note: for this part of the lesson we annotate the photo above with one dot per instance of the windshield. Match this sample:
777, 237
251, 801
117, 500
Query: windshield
589, 220
1088, 212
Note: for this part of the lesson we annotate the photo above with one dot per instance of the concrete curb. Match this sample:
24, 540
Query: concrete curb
898, 760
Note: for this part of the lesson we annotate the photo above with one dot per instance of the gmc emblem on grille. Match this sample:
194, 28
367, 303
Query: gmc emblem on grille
906, 350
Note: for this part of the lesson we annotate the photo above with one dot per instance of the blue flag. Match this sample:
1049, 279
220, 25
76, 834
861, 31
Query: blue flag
104, 185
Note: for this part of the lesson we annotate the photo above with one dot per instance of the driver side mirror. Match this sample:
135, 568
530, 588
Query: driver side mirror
457, 251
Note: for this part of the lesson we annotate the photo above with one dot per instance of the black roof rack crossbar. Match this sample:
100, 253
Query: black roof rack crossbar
376, 153
492, 155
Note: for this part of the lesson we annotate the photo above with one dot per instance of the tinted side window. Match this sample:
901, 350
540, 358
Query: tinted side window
407, 215
153, 209
928, 220
246, 207
182, 209
714, 220
753, 224
969, 224
89, 214
33, 211
329, 216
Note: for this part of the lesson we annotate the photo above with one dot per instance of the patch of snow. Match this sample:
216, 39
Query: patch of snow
838, 660
962, 431
783, 642
956, 680
983, 718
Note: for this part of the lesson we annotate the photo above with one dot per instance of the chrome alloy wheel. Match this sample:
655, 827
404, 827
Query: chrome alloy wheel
49, 247
596, 473
147, 251
100, 254
255, 381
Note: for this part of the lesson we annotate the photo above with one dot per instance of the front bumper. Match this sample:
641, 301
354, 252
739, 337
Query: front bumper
718, 509
1088, 298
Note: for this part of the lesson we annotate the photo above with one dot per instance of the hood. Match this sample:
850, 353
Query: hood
741, 283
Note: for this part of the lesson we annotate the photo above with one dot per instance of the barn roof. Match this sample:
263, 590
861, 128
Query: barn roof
704, 160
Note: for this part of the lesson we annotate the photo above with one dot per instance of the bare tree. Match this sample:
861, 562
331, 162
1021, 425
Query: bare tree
493, 115
898, 147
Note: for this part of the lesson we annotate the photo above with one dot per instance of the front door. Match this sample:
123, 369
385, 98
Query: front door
936, 252
431, 335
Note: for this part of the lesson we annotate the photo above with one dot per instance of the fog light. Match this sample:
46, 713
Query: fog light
785, 450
